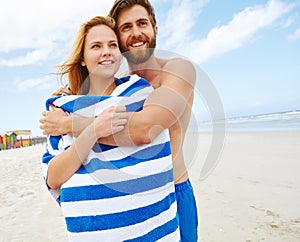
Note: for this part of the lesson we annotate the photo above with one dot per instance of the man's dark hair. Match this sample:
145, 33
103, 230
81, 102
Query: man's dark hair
120, 5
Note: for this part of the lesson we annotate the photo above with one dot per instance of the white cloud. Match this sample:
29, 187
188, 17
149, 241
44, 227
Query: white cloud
39, 25
180, 19
42, 83
239, 31
288, 22
30, 57
295, 35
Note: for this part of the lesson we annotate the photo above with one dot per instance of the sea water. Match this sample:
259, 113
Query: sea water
289, 120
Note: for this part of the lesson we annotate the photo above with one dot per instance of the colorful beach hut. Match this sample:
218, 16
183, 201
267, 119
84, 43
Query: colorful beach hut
18, 138
5, 141
24, 137
12, 139
2, 147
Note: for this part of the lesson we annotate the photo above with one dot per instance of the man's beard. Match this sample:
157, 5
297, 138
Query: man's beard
139, 56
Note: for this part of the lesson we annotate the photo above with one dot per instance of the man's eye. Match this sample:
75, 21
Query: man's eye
124, 28
143, 23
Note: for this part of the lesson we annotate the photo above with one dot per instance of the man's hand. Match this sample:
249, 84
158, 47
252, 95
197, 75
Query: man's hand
52, 123
61, 91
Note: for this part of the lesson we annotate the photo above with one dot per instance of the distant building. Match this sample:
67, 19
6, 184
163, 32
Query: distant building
12, 139
38, 140
2, 147
23, 138
19, 138
5, 141
15, 139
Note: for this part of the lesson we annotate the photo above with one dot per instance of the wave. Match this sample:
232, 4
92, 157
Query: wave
288, 120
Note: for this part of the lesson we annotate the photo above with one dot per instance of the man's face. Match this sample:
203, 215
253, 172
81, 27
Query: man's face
137, 36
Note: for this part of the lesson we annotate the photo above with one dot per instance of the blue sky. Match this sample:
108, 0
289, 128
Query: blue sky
249, 50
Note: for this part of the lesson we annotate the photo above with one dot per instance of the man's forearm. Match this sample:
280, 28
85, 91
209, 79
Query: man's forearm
142, 127
74, 126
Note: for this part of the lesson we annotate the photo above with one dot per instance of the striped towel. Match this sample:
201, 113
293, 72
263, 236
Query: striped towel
119, 193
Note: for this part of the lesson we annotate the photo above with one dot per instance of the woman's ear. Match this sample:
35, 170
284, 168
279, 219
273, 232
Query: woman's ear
82, 63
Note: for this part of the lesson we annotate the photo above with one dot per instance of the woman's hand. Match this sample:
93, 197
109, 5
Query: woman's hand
110, 121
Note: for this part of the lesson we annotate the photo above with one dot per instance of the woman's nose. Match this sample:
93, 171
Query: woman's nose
106, 51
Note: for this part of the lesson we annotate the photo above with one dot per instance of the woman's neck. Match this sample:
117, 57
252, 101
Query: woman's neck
101, 87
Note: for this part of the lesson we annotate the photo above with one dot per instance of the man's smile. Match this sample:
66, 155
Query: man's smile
138, 44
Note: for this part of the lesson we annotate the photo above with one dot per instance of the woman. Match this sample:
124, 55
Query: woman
108, 193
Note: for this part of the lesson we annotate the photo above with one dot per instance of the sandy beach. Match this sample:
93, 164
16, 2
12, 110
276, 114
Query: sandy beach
253, 194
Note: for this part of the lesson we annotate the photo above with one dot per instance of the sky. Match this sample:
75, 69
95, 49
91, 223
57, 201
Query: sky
248, 50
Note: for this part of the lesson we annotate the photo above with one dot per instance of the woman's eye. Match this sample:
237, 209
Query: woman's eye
95, 46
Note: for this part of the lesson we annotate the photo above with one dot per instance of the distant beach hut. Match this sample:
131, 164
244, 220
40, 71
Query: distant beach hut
23, 138
5, 141
12, 139
17, 144
2, 147
15, 139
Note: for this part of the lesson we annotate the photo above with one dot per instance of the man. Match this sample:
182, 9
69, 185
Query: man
168, 107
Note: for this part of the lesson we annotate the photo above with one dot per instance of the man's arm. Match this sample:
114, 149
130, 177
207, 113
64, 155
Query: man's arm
162, 108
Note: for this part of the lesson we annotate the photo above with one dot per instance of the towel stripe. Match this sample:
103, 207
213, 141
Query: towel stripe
104, 176
111, 221
129, 232
116, 204
159, 151
117, 189
158, 233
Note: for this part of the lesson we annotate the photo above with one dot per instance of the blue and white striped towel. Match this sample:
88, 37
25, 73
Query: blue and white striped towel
120, 193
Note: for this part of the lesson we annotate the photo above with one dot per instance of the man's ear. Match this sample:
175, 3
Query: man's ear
156, 30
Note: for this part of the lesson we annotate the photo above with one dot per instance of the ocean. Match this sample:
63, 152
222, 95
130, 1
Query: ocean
289, 120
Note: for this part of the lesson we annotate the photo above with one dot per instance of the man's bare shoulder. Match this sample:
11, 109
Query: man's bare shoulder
165, 63
181, 68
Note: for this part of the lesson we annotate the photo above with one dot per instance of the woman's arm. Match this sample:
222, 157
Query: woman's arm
64, 165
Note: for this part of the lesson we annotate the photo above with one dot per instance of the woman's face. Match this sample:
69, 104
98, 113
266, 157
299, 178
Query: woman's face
102, 56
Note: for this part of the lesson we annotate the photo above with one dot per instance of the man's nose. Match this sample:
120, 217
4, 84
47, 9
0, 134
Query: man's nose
135, 31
